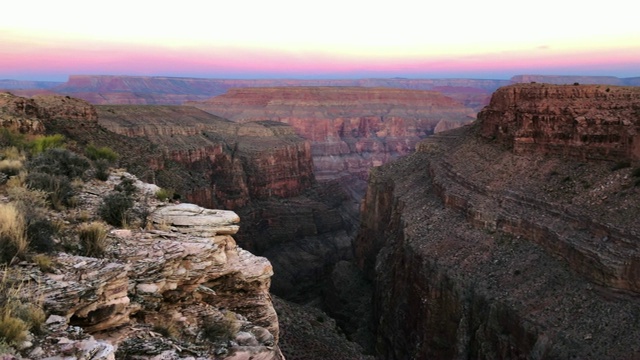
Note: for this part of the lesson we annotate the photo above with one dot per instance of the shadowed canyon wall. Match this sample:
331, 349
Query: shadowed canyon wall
479, 248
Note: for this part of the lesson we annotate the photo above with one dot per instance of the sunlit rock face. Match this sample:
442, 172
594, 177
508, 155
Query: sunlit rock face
351, 129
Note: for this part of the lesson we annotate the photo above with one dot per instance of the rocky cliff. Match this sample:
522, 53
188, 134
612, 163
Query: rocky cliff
351, 129
27, 115
480, 251
571, 79
233, 163
588, 122
168, 290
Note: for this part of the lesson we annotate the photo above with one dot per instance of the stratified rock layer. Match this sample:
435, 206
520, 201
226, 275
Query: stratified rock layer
351, 129
588, 122
479, 251
27, 115
228, 163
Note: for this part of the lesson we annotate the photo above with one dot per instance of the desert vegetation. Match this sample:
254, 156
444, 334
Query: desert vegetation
40, 178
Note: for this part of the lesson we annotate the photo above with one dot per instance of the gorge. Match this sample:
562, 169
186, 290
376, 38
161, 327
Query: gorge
514, 236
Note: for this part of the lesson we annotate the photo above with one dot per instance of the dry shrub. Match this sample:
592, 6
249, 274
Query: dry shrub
17, 180
168, 329
12, 329
93, 238
44, 262
12, 153
10, 167
24, 197
13, 240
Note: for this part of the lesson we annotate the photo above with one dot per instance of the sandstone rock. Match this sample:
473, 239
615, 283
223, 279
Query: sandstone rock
193, 219
584, 121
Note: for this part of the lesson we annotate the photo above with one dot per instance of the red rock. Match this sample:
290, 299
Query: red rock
351, 129
586, 121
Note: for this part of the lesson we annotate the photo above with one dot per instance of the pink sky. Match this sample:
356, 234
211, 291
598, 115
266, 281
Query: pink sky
495, 39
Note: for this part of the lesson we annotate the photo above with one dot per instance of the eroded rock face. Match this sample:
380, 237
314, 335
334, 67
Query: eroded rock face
478, 250
351, 129
584, 121
228, 163
187, 274
27, 115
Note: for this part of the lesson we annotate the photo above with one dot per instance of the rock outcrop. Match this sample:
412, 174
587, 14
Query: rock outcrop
351, 129
185, 273
480, 251
27, 115
587, 122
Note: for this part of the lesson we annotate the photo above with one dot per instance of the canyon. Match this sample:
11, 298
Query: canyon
351, 129
514, 237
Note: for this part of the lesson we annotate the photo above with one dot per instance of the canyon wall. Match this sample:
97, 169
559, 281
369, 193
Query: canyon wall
481, 250
596, 121
351, 129
263, 170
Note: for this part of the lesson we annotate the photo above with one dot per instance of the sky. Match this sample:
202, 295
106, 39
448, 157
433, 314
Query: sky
494, 39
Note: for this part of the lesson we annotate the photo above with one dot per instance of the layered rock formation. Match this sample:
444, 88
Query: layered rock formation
479, 251
228, 163
107, 89
27, 115
262, 170
351, 129
588, 122
184, 273
571, 79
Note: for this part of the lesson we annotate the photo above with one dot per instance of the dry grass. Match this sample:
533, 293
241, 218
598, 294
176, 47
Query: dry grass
12, 153
16, 316
93, 238
13, 240
17, 180
44, 262
25, 197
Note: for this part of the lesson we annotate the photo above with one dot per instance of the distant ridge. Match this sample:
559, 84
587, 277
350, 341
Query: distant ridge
9, 84
571, 79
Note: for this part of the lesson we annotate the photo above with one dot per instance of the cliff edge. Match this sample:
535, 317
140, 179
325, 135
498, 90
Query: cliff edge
514, 237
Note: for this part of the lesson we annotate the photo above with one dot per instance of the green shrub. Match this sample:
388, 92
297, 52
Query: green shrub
40, 233
126, 185
93, 238
102, 169
164, 194
13, 242
11, 138
59, 191
44, 143
116, 208
60, 162
100, 153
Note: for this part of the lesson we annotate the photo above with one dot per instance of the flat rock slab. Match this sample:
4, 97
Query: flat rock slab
193, 219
